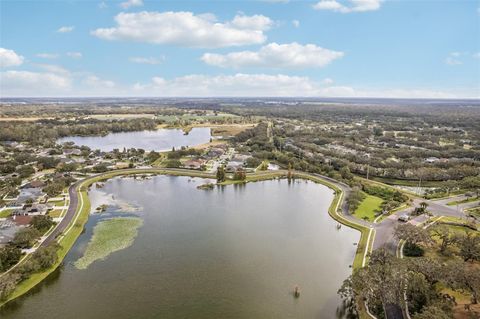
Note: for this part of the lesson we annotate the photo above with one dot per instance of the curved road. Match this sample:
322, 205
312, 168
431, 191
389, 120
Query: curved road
69, 216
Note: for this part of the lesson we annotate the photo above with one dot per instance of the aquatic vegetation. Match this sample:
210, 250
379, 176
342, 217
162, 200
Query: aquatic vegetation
109, 236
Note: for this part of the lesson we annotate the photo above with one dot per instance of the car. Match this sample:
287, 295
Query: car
404, 218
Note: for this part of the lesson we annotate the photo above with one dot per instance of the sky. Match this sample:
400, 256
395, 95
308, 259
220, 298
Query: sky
271, 48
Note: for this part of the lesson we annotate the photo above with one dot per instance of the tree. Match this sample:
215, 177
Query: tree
432, 312
346, 174
289, 174
42, 223
411, 234
100, 168
47, 256
8, 283
25, 171
446, 237
26, 237
9, 256
240, 174
381, 283
470, 247
354, 199
220, 174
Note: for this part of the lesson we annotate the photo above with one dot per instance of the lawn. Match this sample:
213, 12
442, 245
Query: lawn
55, 213
109, 236
57, 202
368, 207
5, 213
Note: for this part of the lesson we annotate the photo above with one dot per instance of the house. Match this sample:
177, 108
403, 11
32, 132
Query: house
431, 159
120, 165
20, 220
72, 151
194, 163
232, 166
35, 184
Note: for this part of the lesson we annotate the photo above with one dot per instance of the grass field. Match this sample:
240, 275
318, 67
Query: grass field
109, 236
368, 207
5, 213
55, 213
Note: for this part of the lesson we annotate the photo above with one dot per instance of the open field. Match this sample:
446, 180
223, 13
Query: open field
23, 119
104, 117
5, 213
108, 237
55, 213
368, 207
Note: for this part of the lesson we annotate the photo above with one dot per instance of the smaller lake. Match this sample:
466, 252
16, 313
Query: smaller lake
159, 140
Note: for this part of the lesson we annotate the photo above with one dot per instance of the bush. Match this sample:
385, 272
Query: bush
8, 283
26, 237
413, 250
42, 223
9, 256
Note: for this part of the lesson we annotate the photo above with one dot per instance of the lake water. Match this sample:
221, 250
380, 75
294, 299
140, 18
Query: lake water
158, 140
232, 252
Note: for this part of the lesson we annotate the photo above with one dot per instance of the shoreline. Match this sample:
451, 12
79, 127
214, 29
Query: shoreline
76, 226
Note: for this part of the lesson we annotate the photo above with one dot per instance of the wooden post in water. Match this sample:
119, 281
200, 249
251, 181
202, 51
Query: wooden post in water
296, 292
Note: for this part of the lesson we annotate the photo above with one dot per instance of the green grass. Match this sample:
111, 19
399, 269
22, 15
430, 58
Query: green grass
57, 202
109, 236
6, 213
463, 201
368, 207
474, 211
55, 213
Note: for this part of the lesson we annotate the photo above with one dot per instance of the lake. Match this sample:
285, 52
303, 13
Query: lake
158, 140
232, 252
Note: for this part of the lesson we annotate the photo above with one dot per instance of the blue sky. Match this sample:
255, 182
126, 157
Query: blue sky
320, 48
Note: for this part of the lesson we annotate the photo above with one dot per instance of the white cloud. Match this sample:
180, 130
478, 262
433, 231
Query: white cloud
131, 3
74, 55
96, 82
26, 83
276, 1
292, 55
9, 58
48, 55
186, 29
454, 58
255, 22
102, 5
147, 60
228, 85
353, 5
327, 81
296, 23
52, 68
58, 82
257, 85
65, 29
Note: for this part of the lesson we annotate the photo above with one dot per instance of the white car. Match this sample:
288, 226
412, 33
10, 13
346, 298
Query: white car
404, 218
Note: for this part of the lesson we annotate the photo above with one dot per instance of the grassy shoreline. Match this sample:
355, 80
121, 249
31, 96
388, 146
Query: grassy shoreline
83, 211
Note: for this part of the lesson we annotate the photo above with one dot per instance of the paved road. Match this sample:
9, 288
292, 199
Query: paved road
69, 216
